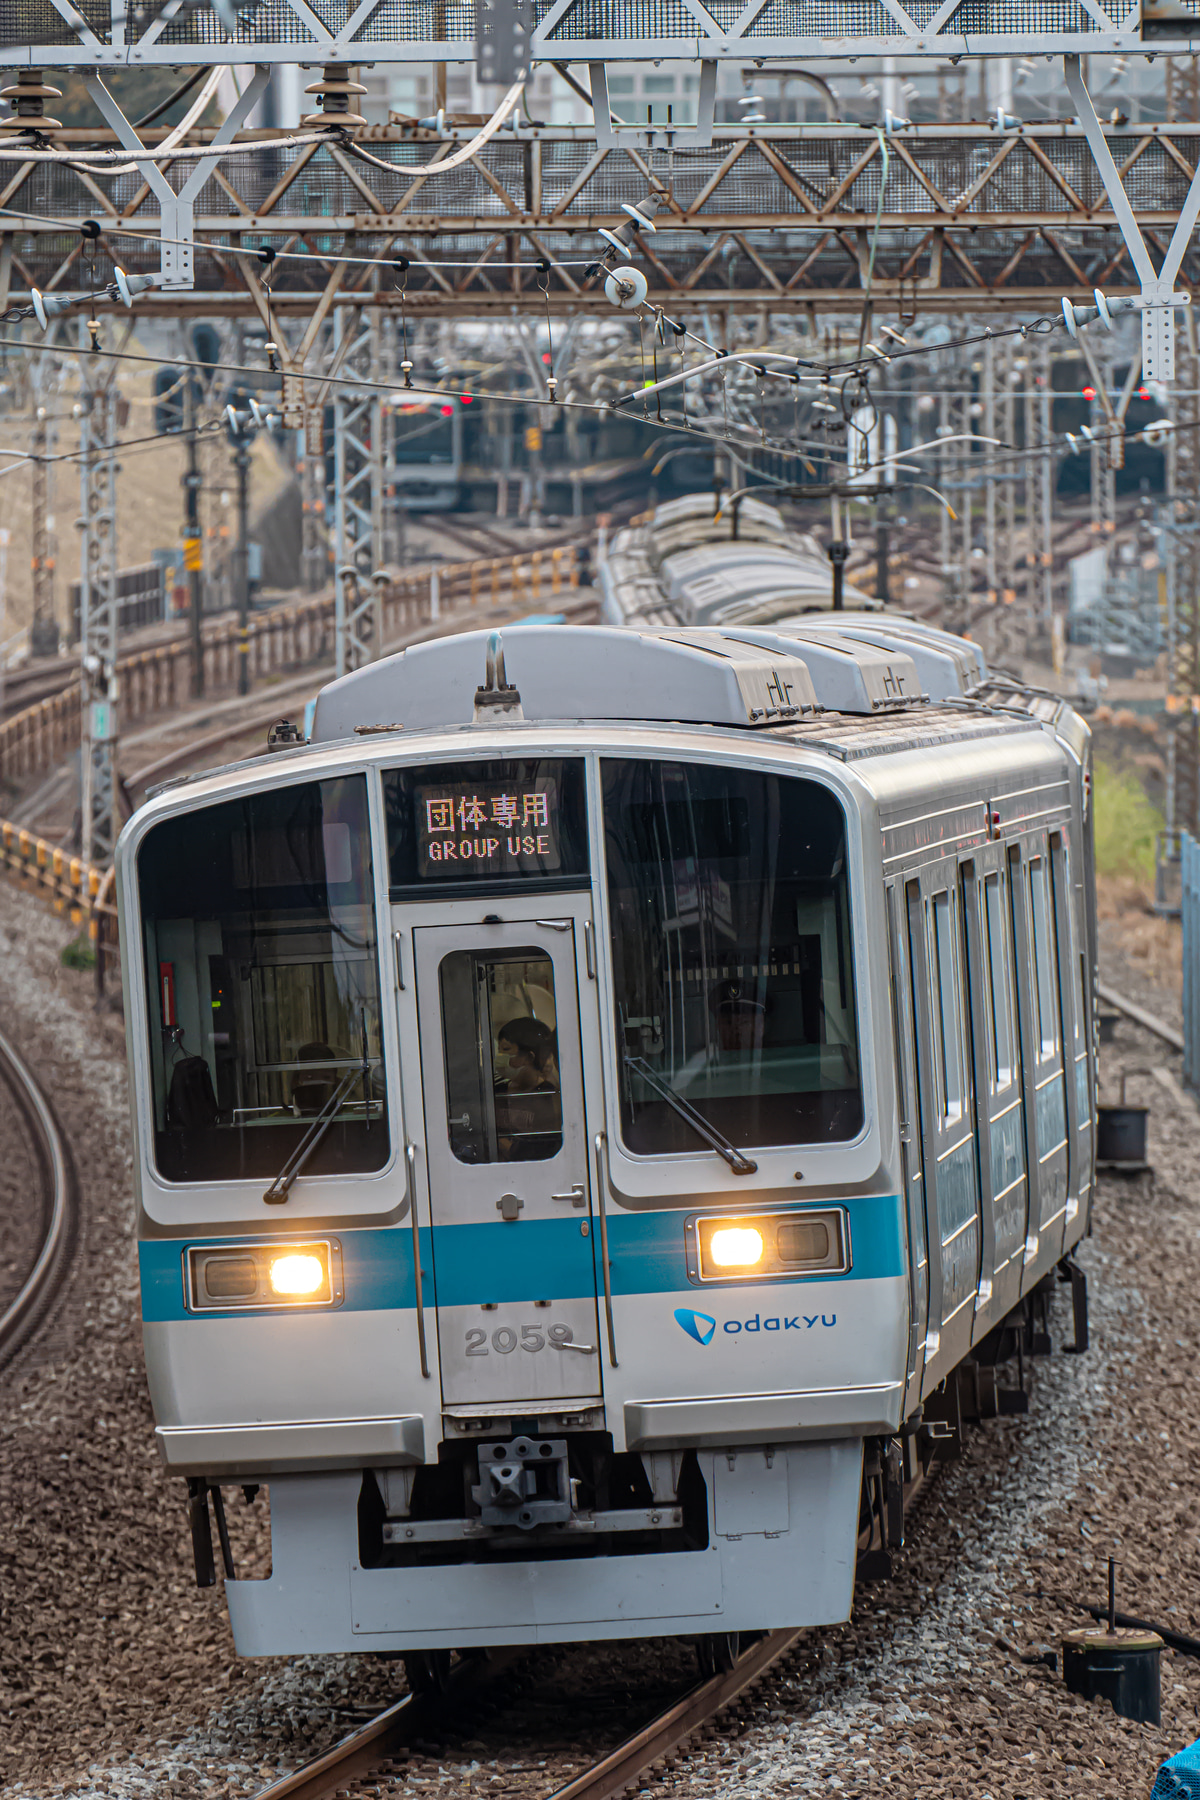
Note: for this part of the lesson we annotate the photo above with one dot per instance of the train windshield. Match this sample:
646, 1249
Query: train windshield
263, 984
731, 956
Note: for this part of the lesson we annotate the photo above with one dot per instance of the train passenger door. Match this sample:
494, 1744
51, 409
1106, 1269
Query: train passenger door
947, 1099
1042, 1044
904, 1037
1072, 990
998, 1090
514, 1276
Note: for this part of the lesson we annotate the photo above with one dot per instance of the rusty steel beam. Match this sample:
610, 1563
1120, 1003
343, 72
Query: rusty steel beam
971, 218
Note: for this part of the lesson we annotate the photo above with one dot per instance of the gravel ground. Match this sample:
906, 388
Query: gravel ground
117, 1676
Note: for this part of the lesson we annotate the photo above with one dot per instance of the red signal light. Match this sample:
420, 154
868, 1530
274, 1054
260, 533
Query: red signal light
465, 398
1143, 393
446, 411
1089, 393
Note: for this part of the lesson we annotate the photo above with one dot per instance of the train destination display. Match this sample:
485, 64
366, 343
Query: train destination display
502, 829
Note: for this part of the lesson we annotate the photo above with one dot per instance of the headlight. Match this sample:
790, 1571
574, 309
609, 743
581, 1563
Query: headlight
227, 1277
735, 1247
298, 1274
767, 1245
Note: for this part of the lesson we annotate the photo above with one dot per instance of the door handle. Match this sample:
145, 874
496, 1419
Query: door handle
577, 1197
554, 924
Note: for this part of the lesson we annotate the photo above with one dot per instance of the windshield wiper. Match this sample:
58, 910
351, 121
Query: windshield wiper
741, 1165
280, 1188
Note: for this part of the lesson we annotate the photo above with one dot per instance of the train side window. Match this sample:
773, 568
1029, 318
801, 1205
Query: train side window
503, 1099
1049, 1031
947, 1010
998, 988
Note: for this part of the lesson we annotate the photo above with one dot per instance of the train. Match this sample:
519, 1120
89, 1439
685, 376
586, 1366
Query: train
606, 1108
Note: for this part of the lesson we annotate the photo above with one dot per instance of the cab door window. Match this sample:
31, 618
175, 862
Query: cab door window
499, 1029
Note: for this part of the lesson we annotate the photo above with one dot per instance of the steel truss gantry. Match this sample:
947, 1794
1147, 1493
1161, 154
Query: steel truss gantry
776, 216
108, 33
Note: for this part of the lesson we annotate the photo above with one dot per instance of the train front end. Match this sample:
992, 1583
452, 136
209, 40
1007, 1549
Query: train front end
516, 1202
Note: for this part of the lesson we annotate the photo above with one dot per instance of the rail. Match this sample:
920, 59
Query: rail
153, 681
61, 1198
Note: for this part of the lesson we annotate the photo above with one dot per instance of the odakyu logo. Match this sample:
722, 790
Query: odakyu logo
701, 1327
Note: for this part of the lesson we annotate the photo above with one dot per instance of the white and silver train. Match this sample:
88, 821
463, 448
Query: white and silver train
676, 565
591, 1103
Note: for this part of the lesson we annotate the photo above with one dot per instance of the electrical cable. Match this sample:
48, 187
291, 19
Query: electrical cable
166, 105
177, 134
460, 156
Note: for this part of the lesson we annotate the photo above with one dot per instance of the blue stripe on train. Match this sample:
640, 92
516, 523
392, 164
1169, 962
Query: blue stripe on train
541, 1257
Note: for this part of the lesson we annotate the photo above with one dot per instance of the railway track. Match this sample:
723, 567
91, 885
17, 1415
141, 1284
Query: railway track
24, 1101
371, 1760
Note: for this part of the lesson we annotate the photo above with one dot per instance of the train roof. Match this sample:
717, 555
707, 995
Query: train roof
678, 565
853, 666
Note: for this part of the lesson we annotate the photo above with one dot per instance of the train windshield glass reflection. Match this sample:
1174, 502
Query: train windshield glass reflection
731, 956
263, 984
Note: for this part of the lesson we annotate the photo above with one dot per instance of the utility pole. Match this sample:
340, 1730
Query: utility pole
882, 550
314, 558
43, 627
358, 464
98, 613
193, 559
241, 459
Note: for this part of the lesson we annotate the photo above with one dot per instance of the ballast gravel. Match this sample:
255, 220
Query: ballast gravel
118, 1679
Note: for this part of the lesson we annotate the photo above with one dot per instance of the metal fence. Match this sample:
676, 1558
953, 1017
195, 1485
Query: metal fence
141, 598
286, 637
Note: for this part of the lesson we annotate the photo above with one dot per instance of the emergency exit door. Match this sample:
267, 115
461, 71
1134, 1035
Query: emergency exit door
514, 1273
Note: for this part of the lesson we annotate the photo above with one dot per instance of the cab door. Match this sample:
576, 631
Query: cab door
514, 1274
922, 1275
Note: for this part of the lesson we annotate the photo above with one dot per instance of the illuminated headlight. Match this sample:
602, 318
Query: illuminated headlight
298, 1275
735, 1247
225, 1277
767, 1245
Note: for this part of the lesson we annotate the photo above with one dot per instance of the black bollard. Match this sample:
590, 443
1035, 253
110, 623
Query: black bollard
1119, 1665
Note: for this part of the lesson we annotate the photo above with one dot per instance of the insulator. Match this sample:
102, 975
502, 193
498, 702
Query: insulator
626, 288
1075, 316
333, 93
640, 219
28, 97
1108, 309
129, 286
46, 306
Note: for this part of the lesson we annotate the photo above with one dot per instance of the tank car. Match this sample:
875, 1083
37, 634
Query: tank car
598, 1108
